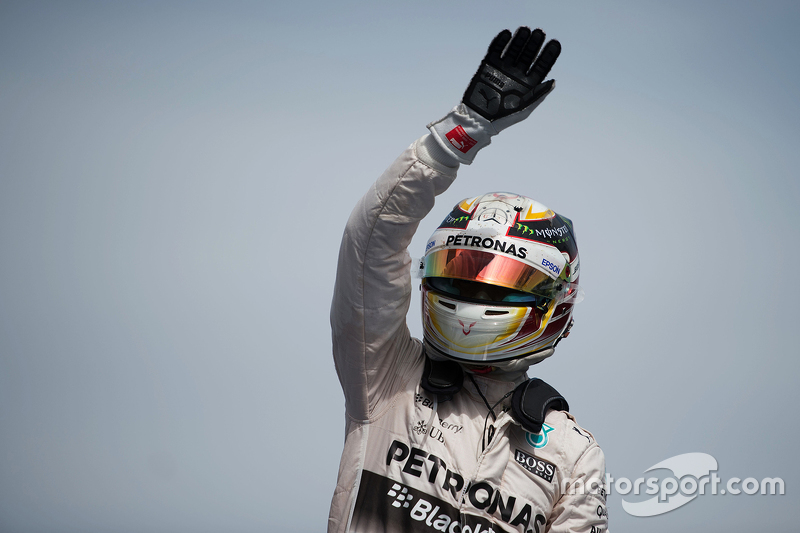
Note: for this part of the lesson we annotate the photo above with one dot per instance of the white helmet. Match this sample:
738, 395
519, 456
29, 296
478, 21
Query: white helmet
500, 279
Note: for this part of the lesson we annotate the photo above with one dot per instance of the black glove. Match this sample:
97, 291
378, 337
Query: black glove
505, 90
508, 82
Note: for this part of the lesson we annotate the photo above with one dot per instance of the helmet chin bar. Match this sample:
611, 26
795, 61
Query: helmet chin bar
507, 365
523, 363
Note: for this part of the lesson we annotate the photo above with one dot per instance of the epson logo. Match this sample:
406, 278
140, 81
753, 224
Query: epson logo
551, 266
537, 466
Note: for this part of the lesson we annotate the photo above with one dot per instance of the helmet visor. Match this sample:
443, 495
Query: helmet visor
485, 267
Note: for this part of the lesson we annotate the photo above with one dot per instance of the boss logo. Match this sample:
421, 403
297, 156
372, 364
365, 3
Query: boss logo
551, 266
537, 466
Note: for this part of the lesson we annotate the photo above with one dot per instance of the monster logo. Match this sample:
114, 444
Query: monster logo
555, 231
460, 216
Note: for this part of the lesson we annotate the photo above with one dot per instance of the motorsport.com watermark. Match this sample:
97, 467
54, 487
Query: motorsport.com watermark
694, 474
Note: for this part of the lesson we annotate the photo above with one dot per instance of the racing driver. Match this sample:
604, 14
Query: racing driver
448, 433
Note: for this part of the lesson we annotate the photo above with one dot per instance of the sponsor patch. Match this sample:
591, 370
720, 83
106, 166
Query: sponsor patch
386, 505
487, 243
459, 138
410, 462
539, 440
400, 495
457, 219
535, 465
551, 266
493, 214
555, 231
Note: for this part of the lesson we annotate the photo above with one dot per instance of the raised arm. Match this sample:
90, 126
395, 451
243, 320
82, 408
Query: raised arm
372, 347
373, 350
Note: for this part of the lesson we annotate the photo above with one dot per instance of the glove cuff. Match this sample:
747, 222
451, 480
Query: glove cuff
462, 133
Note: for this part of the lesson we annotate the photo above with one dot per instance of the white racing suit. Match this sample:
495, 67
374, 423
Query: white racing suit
410, 463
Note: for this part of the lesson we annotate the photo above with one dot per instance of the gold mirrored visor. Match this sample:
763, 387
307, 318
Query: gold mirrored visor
485, 267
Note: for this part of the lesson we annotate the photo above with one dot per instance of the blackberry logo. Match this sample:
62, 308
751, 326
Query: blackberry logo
401, 498
425, 401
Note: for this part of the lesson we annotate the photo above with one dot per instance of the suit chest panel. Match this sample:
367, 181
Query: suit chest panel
426, 468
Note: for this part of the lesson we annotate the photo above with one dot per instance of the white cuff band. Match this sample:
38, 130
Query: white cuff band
462, 133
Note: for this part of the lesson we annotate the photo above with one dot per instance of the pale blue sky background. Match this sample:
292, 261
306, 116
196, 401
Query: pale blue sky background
175, 177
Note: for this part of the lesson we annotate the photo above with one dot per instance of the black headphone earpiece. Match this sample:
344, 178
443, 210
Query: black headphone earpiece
443, 378
531, 401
